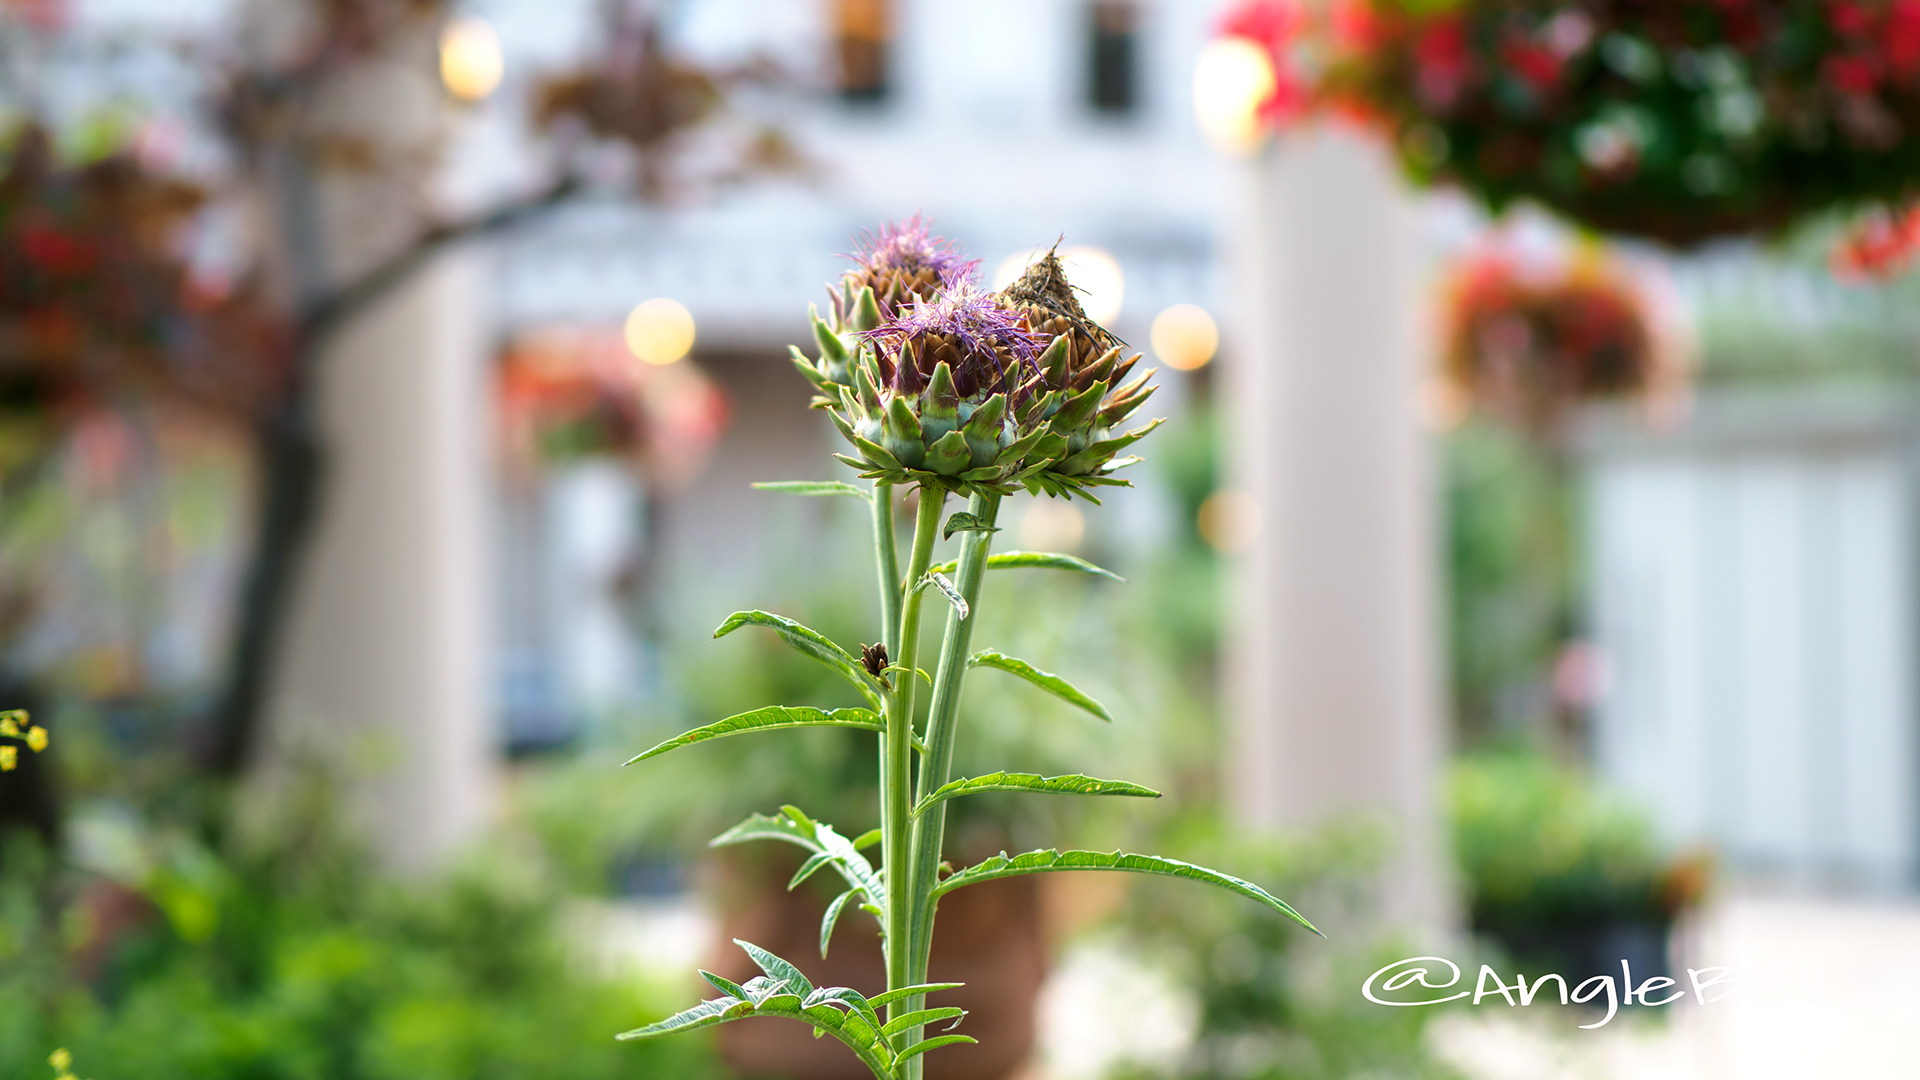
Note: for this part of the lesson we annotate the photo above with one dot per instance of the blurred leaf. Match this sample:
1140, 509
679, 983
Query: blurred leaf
816, 487
1052, 684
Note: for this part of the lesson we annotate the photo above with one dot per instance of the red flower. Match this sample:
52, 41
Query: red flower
1855, 75
1534, 64
1273, 25
1880, 247
54, 251
1849, 19
1900, 40
1443, 66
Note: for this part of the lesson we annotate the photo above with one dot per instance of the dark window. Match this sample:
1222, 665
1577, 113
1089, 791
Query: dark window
864, 33
1113, 44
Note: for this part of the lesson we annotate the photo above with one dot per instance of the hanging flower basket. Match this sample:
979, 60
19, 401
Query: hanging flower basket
1679, 121
1525, 343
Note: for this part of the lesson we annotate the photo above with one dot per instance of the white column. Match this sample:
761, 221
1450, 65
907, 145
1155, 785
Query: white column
385, 670
1332, 679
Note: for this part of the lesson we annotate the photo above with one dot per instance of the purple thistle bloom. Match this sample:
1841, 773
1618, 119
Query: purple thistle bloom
986, 346
909, 246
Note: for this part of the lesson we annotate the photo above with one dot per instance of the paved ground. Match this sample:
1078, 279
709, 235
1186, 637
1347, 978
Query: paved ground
1822, 989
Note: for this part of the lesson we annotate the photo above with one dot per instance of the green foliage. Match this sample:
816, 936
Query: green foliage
783, 992
1010, 560
1543, 850
1034, 783
1052, 684
1264, 1014
309, 966
767, 719
1039, 862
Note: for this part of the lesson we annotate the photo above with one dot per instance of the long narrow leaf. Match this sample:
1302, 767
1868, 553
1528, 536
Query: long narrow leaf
1045, 861
883, 1000
816, 487
1051, 683
771, 718
1071, 784
811, 643
705, 1014
831, 918
921, 1019
1038, 560
934, 1043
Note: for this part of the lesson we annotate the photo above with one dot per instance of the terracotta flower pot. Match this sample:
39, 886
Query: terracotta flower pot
988, 936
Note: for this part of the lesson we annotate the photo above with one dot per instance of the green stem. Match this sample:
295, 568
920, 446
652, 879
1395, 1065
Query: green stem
885, 543
929, 831
896, 771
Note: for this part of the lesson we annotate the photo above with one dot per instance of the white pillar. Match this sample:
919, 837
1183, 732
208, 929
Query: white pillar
1332, 680
385, 668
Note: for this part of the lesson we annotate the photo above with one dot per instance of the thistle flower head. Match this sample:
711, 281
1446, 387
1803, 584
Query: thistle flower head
987, 347
902, 262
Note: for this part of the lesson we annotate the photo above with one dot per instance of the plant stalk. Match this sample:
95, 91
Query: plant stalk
943, 715
888, 548
896, 771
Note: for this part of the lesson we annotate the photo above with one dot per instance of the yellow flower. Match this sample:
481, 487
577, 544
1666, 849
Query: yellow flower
60, 1060
8, 728
37, 739
9, 757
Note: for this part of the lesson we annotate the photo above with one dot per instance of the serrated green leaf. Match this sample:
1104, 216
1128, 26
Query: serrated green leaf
726, 986
810, 643
771, 718
1052, 684
832, 917
807, 868
795, 827
1038, 560
777, 968
934, 1043
816, 487
1046, 861
961, 521
920, 1019
858, 1028
1071, 784
705, 1014
883, 1000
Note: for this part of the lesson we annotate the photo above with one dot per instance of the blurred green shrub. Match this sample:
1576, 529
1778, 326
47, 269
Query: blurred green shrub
1274, 1004
294, 960
1545, 853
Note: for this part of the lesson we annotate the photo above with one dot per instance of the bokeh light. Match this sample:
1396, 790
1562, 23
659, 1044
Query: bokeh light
660, 331
1095, 274
470, 60
1184, 337
1229, 521
1052, 525
1230, 81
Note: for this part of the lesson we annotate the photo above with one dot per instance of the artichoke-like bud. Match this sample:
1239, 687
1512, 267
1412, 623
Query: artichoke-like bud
893, 270
935, 394
1083, 395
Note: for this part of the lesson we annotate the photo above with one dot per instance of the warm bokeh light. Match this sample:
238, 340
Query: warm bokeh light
1230, 81
1095, 273
1229, 520
660, 331
1184, 337
470, 59
1052, 525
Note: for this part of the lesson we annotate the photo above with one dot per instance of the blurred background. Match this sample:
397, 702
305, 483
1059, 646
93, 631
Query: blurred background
1525, 574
